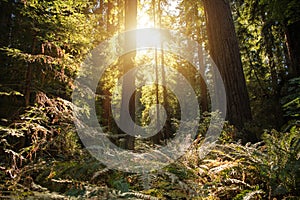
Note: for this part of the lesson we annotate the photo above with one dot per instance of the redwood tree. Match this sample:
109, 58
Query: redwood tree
224, 50
128, 81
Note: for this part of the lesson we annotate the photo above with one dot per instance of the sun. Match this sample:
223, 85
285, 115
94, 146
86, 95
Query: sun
147, 18
148, 37
144, 20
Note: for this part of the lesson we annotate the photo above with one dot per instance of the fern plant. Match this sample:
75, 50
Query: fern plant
283, 161
265, 170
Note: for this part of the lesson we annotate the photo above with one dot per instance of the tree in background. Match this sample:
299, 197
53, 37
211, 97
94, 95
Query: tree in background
129, 81
269, 57
43, 44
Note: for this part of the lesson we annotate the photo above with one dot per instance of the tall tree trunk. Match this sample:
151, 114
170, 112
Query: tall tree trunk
293, 43
158, 136
224, 50
110, 18
203, 87
106, 106
106, 102
128, 81
101, 11
5, 22
29, 76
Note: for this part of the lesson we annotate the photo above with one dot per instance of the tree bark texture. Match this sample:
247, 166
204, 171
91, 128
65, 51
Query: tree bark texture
224, 50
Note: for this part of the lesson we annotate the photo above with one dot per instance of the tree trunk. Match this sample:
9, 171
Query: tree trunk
156, 139
106, 106
203, 86
29, 76
110, 18
224, 50
293, 44
106, 101
5, 23
128, 81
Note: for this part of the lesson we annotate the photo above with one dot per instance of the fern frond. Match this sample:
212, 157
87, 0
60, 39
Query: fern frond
233, 180
98, 173
223, 167
139, 195
250, 195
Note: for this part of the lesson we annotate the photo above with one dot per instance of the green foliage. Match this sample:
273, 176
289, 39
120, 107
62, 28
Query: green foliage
266, 170
284, 169
43, 132
121, 185
47, 44
291, 99
284, 11
262, 30
40, 155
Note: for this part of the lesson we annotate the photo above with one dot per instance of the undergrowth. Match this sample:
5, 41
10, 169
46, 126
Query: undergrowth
51, 164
